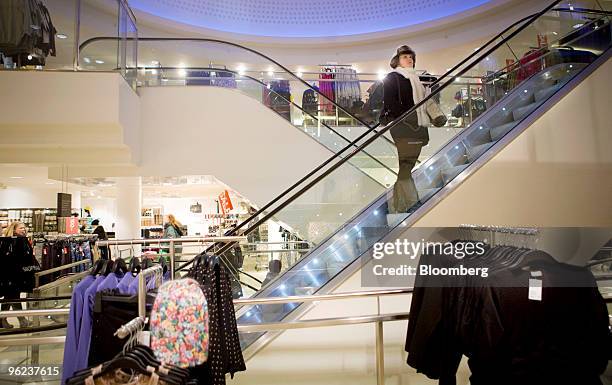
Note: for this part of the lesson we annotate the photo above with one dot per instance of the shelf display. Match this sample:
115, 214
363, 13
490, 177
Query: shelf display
37, 220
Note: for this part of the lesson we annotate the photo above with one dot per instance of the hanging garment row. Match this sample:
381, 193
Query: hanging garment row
341, 85
105, 276
192, 324
27, 34
277, 96
179, 338
58, 250
531, 320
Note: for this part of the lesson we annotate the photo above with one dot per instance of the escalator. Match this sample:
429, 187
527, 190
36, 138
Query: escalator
347, 220
213, 63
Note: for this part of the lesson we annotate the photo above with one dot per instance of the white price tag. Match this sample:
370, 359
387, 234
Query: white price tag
535, 289
144, 338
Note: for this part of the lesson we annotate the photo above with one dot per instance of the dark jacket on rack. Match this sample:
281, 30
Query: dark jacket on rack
18, 266
508, 337
224, 354
25, 25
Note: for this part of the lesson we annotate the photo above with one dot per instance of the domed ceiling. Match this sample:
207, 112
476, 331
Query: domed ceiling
304, 18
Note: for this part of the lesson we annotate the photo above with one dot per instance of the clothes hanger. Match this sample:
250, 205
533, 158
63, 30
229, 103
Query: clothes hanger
531, 258
134, 266
99, 266
120, 266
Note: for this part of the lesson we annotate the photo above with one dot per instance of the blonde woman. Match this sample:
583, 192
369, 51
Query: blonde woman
15, 229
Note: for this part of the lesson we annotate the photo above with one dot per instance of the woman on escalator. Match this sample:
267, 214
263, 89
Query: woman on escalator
402, 90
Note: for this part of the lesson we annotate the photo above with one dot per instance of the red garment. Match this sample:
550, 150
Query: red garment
530, 64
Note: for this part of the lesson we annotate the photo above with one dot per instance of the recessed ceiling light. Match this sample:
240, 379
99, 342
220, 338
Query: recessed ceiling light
61, 36
87, 60
16, 177
98, 61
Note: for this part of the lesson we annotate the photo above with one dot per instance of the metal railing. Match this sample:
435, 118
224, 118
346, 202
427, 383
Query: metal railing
56, 269
377, 319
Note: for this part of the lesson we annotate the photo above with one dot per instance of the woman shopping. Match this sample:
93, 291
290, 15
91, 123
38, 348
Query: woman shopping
402, 91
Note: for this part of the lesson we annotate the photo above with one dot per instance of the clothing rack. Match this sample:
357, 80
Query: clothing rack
501, 229
529, 233
158, 272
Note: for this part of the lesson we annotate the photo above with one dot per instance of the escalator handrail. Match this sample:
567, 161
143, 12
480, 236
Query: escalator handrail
290, 102
332, 168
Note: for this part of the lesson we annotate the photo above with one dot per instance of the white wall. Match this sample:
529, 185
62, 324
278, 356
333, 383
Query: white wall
222, 132
24, 197
104, 209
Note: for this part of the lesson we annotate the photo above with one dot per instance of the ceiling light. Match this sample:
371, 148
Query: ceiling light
381, 74
182, 72
154, 72
98, 61
29, 57
16, 177
270, 72
61, 36
155, 62
87, 60
241, 70
555, 33
300, 74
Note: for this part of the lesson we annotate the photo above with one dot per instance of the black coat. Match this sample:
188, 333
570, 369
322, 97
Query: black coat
509, 339
397, 96
18, 266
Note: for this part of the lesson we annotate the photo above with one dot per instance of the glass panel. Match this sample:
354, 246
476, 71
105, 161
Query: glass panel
345, 217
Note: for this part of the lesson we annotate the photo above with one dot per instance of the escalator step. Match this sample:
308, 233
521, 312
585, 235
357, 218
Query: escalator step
476, 151
546, 92
449, 173
499, 131
521, 112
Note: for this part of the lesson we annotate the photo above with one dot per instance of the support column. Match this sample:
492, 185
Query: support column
129, 203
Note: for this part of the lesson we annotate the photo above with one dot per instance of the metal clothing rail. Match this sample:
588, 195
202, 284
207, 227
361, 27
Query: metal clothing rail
56, 269
501, 229
140, 241
170, 243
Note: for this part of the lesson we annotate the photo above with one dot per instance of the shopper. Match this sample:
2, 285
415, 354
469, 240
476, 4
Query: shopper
173, 229
402, 90
14, 229
98, 229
